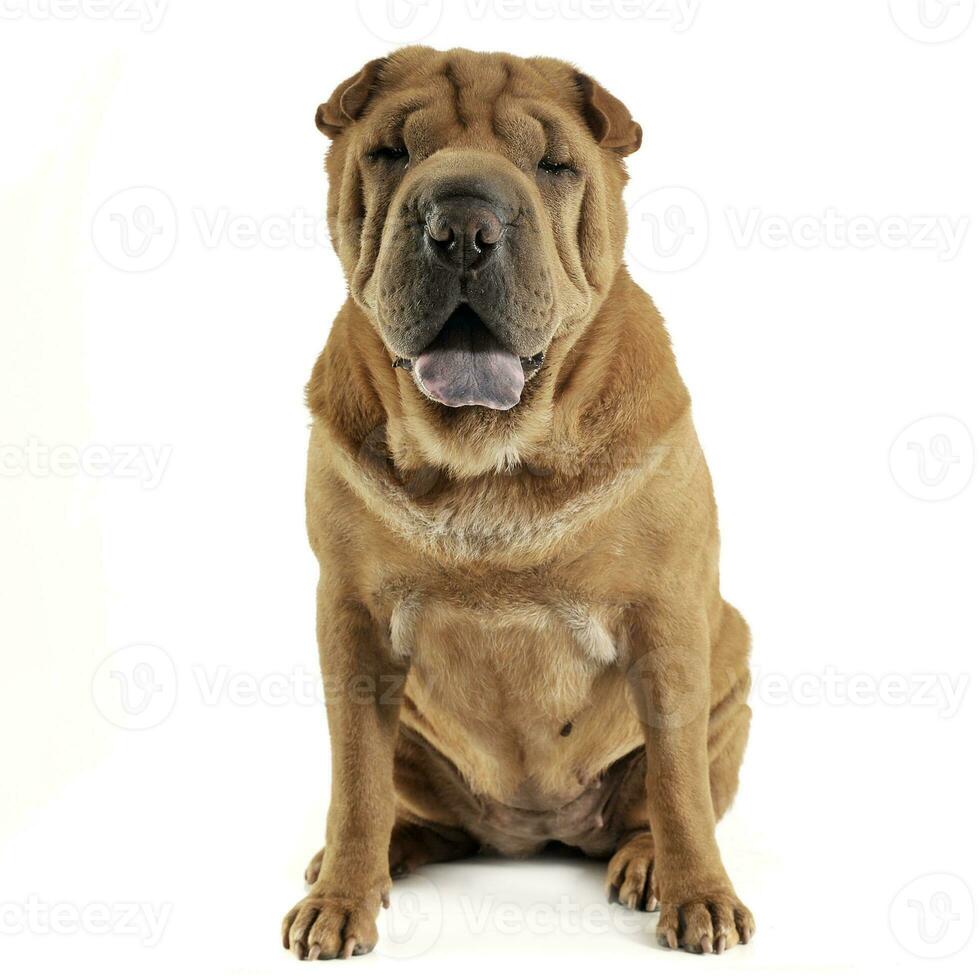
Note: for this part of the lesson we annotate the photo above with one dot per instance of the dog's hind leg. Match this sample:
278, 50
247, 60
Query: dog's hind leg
629, 875
426, 829
413, 845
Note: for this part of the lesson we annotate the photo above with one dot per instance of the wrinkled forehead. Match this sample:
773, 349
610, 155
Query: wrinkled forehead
474, 99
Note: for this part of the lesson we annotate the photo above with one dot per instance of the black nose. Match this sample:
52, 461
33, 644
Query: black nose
463, 232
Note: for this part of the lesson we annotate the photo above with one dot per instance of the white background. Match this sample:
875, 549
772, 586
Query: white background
170, 830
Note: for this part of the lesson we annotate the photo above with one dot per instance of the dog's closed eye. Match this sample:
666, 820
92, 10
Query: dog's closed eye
555, 166
389, 153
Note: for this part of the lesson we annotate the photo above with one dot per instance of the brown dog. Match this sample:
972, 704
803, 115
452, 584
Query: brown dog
521, 634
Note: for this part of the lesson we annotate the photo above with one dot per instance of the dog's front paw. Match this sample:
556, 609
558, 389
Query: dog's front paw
709, 923
326, 927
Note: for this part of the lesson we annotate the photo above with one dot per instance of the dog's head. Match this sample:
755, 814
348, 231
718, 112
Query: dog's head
476, 206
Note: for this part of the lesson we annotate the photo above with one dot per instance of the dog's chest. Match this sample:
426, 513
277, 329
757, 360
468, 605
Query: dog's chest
505, 625
522, 688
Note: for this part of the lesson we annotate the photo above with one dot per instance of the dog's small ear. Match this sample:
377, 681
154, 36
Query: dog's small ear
610, 121
348, 100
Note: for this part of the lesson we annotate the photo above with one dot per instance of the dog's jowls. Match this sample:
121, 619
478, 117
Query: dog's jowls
520, 628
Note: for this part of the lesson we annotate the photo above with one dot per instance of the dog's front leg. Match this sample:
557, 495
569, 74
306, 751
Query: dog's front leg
363, 687
671, 684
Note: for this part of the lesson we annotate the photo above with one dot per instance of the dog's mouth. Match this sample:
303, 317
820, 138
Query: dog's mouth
467, 365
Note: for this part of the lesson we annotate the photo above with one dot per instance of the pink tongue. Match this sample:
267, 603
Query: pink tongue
466, 365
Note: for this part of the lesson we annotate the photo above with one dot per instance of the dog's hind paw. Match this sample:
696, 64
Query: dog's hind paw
629, 879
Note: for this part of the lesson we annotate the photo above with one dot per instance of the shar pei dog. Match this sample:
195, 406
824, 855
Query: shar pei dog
520, 628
